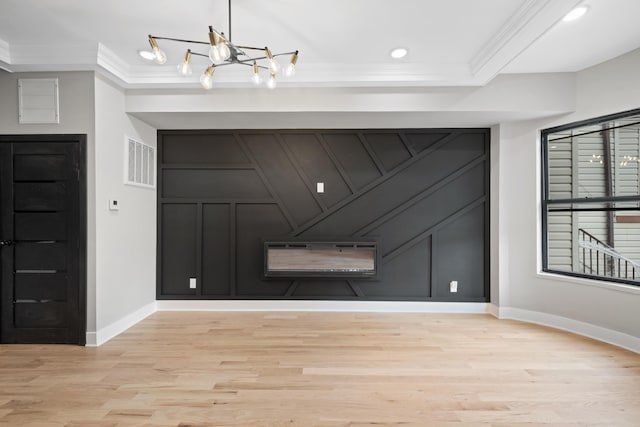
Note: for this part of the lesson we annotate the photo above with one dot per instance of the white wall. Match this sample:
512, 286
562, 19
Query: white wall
76, 98
120, 245
125, 239
507, 97
607, 311
496, 247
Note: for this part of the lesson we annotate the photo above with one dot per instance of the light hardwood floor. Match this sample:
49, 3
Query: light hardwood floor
323, 369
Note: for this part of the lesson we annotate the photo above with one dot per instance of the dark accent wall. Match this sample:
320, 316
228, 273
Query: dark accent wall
421, 193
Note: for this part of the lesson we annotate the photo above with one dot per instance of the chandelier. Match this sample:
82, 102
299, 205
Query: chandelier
223, 52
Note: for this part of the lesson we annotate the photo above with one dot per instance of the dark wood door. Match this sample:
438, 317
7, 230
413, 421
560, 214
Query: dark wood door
42, 230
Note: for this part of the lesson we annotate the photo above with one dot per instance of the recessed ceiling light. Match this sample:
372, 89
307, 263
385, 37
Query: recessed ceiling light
399, 52
576, 13
149, 56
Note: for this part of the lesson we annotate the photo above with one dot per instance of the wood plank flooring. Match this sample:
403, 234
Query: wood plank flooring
323, 369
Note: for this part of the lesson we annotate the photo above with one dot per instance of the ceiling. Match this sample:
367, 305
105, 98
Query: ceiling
342, 43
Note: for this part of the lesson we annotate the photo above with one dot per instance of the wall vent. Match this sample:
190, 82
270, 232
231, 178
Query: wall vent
140, 162
38, 101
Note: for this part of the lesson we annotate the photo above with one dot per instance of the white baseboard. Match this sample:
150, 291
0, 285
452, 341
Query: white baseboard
95, 339
616, 338
493, 310
599, 333
306, 305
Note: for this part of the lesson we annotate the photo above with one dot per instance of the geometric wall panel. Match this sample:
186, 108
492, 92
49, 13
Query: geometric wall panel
421, 194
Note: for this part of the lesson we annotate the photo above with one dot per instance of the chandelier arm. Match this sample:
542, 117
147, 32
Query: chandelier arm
264, 57
249, 47
283, 53
252, 59
179, 40
262, 49
234, 45
250, 62
245, 62
222, 64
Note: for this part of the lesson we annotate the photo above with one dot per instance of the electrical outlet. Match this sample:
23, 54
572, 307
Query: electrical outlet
192, 283
453, 286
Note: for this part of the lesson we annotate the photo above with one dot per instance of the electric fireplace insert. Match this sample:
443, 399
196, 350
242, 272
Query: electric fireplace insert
320, 259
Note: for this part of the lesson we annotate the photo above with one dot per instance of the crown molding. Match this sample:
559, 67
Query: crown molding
39, 58
107, 60
313, 75
532, 20
98, 57
527, 11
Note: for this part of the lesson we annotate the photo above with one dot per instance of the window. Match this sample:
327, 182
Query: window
591, 198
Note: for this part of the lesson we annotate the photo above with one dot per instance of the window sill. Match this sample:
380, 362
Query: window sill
618, 287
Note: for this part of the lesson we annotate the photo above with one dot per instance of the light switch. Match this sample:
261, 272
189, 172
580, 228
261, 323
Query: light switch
192, 283
320, 187
114, 205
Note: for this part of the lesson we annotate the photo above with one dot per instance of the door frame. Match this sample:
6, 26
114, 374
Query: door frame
81, 140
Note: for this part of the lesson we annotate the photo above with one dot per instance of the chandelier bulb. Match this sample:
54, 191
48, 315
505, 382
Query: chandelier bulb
290, 71
184, 67
274, 67
225, 52
159, 57
271, 83
214, 54
214, 51
255, 78
206, 79
291, 68
223, 47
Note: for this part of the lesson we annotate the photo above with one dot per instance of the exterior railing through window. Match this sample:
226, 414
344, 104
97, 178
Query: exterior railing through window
598, 258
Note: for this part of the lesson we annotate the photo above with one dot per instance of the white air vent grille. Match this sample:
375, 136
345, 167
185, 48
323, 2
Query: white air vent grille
140, 162
38, 101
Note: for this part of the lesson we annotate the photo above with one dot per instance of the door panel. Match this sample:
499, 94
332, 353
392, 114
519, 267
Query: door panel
40, 256
31, 226
39, 196
41, 286
42, 214
31, 314
39, 167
